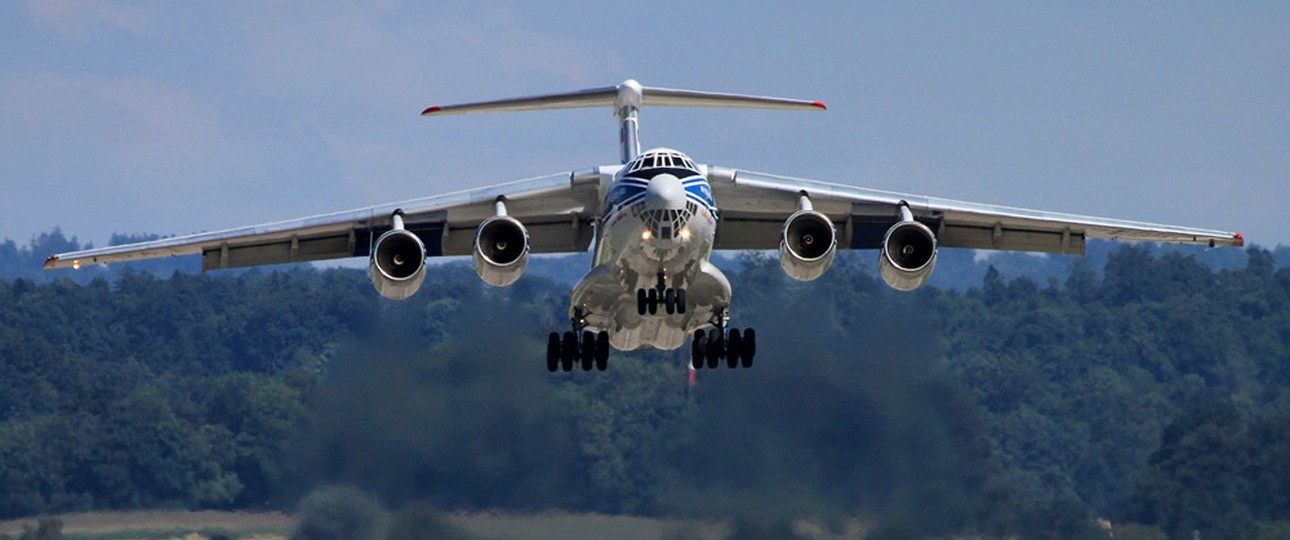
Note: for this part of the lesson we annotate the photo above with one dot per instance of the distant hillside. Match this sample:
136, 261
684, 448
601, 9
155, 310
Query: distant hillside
1153, 389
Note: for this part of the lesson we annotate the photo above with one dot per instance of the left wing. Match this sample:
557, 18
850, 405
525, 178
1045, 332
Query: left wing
558, 211
754, 206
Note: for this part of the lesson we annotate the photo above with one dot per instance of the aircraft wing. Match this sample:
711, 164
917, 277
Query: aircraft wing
754, 206
558, 211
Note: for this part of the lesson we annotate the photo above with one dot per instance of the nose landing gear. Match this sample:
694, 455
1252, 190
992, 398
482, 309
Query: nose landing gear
671, 299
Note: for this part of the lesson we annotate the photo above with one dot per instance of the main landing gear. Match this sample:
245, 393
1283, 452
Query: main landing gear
577, 346
649, 300
737, 348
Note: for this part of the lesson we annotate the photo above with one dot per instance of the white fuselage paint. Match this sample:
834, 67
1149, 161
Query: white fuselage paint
659, 218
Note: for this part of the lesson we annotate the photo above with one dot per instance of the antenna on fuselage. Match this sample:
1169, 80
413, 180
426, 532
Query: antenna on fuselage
627, 98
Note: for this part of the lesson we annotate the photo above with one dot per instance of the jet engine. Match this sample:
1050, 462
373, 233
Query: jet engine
398, 264
501, 250
807, 245
908, 255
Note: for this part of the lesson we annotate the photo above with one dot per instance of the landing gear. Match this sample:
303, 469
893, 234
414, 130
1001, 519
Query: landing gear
735, 347
578, 346
672, 299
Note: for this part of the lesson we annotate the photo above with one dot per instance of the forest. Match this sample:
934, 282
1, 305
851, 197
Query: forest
1144, 385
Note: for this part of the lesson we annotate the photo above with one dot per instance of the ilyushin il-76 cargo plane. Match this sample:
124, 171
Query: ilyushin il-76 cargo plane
654, 221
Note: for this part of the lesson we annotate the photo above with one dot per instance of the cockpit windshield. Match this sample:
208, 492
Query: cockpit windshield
662, 159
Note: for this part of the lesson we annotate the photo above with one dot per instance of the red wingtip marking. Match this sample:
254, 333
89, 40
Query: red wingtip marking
1240, 240
819, 104
49, 263
431, 110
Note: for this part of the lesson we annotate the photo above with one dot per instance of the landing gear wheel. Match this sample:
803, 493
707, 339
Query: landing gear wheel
568, 350
749, 347
716, 346
699, 352
669, 301
651, 300
680, 300
602, 350
553, 352
588, 350
640, 301
733, 347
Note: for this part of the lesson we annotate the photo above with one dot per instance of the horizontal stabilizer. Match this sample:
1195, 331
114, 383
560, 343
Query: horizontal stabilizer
668, 97
629, 93
594, 97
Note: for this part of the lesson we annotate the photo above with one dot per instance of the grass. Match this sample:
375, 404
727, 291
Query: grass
165, 524
183, 525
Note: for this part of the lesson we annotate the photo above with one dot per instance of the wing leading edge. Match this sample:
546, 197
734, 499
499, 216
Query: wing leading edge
557, 210
754, 206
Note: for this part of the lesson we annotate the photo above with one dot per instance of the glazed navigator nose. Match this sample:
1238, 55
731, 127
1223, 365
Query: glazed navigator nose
665, 191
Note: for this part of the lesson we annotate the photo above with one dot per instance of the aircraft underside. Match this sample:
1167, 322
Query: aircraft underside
652, 287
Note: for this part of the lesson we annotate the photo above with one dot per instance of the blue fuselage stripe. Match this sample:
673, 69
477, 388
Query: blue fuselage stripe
629, 190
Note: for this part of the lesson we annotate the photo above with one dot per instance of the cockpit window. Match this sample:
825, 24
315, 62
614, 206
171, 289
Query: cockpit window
679, 164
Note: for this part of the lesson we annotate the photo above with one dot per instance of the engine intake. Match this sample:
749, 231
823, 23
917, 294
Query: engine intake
807, 245
908, 255
501, 250
398, 264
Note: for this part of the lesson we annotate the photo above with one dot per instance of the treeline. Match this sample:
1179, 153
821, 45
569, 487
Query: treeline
1012, 407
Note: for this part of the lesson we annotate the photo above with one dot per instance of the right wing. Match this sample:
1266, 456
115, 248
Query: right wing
755, 205
558, 211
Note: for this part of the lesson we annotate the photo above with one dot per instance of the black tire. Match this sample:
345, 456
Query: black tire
602, 351
553, 352
699, 352
749, 347
733, 347
669, 301
588, 350
716, 346
680, 300
568, 350
651, 300
640, 301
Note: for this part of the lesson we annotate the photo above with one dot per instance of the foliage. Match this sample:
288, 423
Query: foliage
421, 521
47, 528
338, 513
1151, 387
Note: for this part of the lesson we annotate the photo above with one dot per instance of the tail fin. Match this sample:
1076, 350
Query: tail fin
627, 99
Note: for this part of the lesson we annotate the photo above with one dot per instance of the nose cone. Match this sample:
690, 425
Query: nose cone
665, 191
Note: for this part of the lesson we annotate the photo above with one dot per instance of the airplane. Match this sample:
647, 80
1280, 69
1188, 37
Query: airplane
654, 222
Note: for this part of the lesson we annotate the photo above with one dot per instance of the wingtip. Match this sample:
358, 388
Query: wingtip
1238, 240
50, 262
820, 104
431, 110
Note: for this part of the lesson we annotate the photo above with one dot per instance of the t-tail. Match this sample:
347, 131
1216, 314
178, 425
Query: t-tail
627, 98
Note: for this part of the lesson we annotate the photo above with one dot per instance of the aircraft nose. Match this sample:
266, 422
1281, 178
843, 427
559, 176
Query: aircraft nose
666, 191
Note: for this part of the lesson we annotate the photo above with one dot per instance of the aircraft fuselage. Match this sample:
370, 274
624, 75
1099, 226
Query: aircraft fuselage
651, 284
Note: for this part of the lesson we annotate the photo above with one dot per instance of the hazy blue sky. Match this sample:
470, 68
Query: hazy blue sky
174, 117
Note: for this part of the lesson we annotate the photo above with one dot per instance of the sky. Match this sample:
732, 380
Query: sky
178, 117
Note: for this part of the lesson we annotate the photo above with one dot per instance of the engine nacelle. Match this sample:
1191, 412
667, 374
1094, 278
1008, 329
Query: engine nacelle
908, 255
807, 245
398, 264
501, 250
